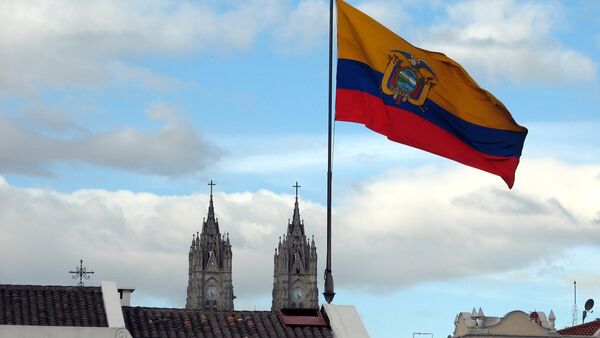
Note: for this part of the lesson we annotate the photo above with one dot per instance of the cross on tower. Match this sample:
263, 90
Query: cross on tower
296, 186
81, 273
211, 186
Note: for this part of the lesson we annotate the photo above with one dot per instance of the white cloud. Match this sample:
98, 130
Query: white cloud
47, 119
68, 42
559, 134
175, 149
498, 39
431, 225
122, 73
508, 40
306, 24
74, 43
359, 150
165, 112
138, 239
285, 153
388, 13
407, 227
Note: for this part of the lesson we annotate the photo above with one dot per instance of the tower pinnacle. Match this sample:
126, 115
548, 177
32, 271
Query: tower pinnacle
295, 270
209, 278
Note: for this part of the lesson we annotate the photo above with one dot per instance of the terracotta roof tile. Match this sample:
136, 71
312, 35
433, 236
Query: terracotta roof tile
174, 323
51, 306
587, 329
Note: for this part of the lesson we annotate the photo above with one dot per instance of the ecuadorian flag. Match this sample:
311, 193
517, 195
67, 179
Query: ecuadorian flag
421, 98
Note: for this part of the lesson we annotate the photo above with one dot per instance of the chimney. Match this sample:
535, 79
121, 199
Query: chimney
125, 295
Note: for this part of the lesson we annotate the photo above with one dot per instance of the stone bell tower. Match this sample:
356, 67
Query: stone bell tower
295, 270
209, 284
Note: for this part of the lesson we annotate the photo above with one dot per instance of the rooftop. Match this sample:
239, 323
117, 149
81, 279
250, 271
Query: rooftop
588, 329
74, 306
163, 323
74, 311
52, 306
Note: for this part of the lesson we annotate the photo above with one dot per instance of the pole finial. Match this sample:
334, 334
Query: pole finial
329, 293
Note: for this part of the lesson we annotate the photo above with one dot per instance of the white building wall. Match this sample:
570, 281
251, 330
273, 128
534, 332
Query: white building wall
22, 331
112, 304
345, 321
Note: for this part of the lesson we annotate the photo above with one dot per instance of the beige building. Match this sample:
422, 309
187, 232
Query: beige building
513, 324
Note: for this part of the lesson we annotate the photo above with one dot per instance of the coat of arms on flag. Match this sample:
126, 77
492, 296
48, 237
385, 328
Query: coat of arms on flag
407, 79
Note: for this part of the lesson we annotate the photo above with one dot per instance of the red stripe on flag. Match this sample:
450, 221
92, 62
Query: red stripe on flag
407, 128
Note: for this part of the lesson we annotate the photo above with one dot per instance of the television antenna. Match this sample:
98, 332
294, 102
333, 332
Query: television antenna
589, 304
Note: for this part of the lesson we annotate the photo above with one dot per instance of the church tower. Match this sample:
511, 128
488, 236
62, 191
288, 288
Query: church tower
295, 270
209, 284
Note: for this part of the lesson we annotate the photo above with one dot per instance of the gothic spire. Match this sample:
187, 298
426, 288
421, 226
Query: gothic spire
211, 208
296, 217
211, 223
210, 266
295, 266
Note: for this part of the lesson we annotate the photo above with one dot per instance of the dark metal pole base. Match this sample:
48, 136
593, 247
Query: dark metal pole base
328, 294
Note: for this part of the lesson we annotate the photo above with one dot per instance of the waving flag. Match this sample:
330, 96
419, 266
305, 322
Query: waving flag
421, 98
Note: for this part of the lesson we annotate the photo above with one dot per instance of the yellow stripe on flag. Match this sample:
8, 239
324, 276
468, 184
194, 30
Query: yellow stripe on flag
363, 39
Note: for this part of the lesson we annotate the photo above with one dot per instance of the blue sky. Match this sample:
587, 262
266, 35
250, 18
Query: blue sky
114, 116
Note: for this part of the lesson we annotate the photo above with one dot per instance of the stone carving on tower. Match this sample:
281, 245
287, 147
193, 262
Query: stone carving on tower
209, 285
295, 270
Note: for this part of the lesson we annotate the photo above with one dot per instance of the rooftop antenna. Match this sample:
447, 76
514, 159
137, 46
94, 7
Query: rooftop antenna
589, 304
574, 304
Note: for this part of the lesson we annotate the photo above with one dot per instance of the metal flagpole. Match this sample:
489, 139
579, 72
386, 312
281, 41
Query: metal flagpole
329, 293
